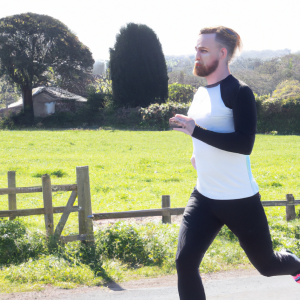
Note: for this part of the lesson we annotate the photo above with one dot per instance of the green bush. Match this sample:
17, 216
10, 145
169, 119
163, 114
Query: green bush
155, 116
158, 116
123, 116
15, 120
95, 101
181, 93
280, 112
17, 245
122, 242
279, 115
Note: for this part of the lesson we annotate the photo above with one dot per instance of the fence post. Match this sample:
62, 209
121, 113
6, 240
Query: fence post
84, 202
47, 198
290, 207
166, 203
12, 198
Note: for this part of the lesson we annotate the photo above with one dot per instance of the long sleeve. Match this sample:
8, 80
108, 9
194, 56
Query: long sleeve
244, 116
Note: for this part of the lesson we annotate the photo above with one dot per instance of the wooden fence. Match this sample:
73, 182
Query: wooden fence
81, 190
166, 211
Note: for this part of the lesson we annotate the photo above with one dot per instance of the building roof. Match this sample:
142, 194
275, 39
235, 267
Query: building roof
55, 93
58, 93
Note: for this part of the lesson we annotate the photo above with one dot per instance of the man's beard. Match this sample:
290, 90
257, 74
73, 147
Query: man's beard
202, 71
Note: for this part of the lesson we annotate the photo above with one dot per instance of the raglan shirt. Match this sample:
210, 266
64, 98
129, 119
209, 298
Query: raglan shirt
223, 139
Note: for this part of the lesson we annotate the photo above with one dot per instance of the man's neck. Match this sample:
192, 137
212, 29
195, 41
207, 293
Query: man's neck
218, 75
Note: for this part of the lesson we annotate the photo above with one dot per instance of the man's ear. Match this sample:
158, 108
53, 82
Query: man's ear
223, 53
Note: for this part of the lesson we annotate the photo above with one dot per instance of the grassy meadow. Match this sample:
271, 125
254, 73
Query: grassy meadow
130, 170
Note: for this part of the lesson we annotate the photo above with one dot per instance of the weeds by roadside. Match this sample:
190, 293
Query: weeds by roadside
121, 251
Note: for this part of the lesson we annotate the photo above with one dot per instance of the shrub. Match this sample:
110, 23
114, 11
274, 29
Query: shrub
282, 116
17, 245
15, 120
181, 93
122, 241
95, 101
124, 116
158, 115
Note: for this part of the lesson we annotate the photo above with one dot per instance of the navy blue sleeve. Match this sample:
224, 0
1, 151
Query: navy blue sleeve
244, 116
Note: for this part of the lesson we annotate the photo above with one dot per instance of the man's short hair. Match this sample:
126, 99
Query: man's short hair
226, 37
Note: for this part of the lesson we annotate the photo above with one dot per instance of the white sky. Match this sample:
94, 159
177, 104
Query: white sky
262, 24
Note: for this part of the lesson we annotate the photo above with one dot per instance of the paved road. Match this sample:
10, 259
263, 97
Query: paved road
245, 288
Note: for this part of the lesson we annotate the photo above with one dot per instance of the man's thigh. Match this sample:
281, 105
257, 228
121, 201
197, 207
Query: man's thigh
246, 218
198, 229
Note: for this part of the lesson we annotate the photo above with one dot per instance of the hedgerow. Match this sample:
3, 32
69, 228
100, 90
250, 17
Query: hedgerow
281, 115
158, 116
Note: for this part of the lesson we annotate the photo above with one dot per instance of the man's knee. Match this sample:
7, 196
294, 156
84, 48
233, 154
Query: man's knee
186, 262
266, 271
182, 262
266, 268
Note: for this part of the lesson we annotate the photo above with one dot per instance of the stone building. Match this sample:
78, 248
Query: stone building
48, 100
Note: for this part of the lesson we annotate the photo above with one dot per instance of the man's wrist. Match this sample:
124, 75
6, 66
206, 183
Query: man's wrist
197, 128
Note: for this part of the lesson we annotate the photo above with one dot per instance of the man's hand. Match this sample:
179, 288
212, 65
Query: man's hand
188, 124
193, 161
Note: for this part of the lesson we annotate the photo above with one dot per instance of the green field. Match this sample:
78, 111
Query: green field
130, 170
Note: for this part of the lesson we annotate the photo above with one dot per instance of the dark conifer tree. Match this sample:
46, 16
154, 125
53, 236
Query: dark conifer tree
138, 67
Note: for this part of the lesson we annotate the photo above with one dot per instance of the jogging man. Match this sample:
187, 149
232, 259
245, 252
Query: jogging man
222, 123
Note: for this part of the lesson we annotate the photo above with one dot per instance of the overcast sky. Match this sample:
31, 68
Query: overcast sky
262, 24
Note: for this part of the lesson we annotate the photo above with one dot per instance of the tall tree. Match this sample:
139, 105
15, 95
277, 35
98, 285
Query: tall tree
138, 67
32, 46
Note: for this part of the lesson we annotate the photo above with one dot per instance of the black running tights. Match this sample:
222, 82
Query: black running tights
202, 220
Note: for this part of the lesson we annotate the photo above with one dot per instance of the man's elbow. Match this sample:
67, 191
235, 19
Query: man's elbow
248, 144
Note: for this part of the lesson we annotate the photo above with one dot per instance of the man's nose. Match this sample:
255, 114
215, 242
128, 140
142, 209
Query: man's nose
198, 56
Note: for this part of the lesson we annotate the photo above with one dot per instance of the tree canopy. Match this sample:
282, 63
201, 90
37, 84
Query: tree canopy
287, 89
35, 49
138, 67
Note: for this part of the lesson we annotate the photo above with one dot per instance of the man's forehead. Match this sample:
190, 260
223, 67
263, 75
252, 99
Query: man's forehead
206, 40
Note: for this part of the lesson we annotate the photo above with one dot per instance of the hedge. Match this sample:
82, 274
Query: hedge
278, 115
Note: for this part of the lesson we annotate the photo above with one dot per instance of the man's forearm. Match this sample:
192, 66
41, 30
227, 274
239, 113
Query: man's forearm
232, 142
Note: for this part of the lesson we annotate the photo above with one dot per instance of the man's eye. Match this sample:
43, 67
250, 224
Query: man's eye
203, 51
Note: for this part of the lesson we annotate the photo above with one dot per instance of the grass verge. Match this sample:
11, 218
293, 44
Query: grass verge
129, 170
122, 251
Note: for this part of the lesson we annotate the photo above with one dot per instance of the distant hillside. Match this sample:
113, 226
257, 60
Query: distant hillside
261, 74
180, 69
264, 54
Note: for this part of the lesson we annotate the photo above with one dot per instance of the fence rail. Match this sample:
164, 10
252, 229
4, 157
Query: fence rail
34, 211
166, 211
37, 189
80, 191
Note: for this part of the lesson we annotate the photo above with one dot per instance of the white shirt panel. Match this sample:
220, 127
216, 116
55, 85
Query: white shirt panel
222, 175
